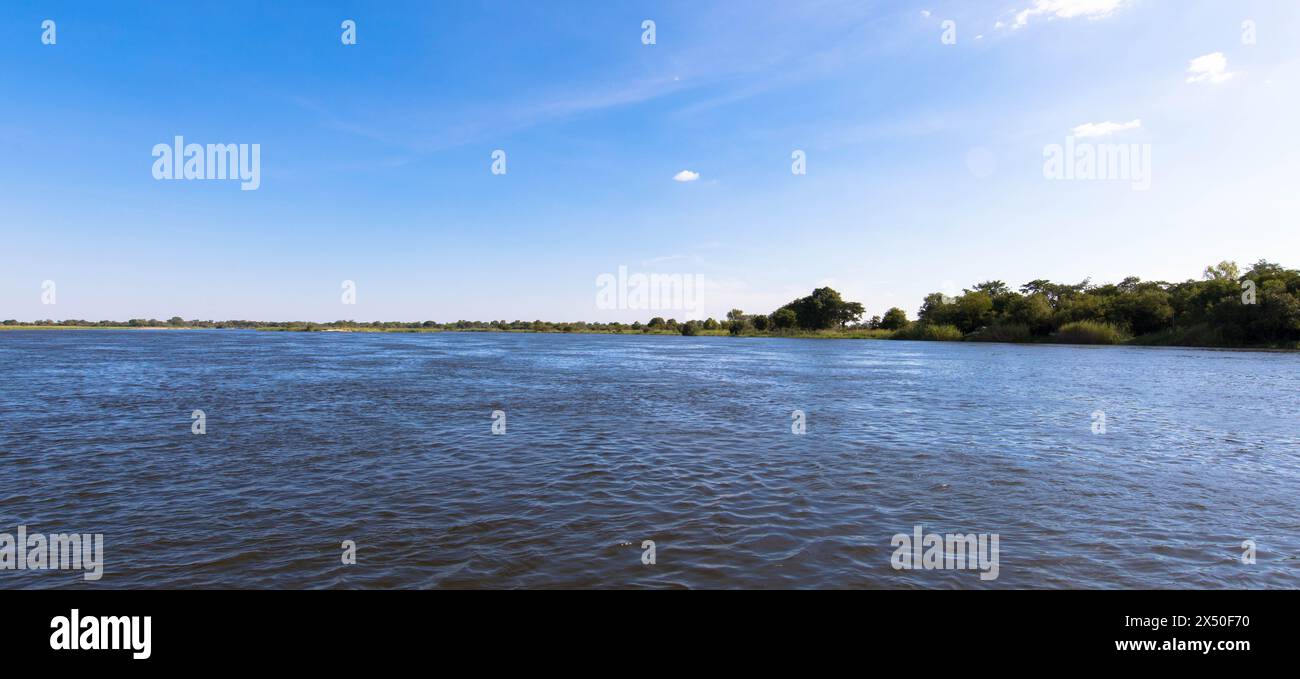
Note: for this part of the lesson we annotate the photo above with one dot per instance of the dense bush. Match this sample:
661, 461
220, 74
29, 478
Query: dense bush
935, 332
1225, 307
1002, 332
783, 318
1088, 332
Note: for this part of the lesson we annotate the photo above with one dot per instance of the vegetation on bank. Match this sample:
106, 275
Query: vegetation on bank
1225, 308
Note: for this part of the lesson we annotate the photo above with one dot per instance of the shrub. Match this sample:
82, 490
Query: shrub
1088, 332
784, 318
1003, 332
933, 332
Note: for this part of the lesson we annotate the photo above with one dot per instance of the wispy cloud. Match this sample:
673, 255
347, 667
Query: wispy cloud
1103, 129
1068, 9
1211, 68
686, 176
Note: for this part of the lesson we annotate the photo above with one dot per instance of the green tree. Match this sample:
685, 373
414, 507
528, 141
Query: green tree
1224, 270
893, 319
824, 308
1032, 311
974, 310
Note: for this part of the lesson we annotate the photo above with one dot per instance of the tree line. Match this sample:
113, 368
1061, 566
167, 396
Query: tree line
1258, 307
1225, 307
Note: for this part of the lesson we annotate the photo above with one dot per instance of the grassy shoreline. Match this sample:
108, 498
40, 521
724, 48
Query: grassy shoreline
1154, 340
1229, 308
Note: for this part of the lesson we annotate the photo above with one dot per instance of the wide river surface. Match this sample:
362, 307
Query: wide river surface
1096, 467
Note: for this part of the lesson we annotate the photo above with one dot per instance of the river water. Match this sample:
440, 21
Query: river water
1095, 467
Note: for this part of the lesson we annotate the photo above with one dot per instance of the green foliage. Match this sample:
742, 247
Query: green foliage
1222, 271
1088, 332
934, 332
784, 318
1214, 311
1033, 312
824, 308
1002, 332
893, 319
1226, 307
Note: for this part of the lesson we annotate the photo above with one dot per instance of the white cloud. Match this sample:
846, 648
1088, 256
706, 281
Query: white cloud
1069, 9
925, 13
1103, 129
1211, 68
686, 176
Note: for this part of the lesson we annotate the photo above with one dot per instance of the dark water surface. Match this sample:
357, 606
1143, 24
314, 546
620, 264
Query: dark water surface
386, 439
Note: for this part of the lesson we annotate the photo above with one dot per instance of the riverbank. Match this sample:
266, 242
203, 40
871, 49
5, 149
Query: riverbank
1162, 339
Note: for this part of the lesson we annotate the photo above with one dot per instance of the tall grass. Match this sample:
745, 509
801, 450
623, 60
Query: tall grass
1088, 332
927, 332
1200, 335
1002, 333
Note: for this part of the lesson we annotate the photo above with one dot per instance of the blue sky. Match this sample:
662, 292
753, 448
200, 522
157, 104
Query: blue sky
924, 159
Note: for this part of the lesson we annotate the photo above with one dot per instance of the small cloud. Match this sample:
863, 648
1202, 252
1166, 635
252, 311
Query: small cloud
657, 261
686, 176
1211, 68
1103, 129
1068, 9
925, 13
